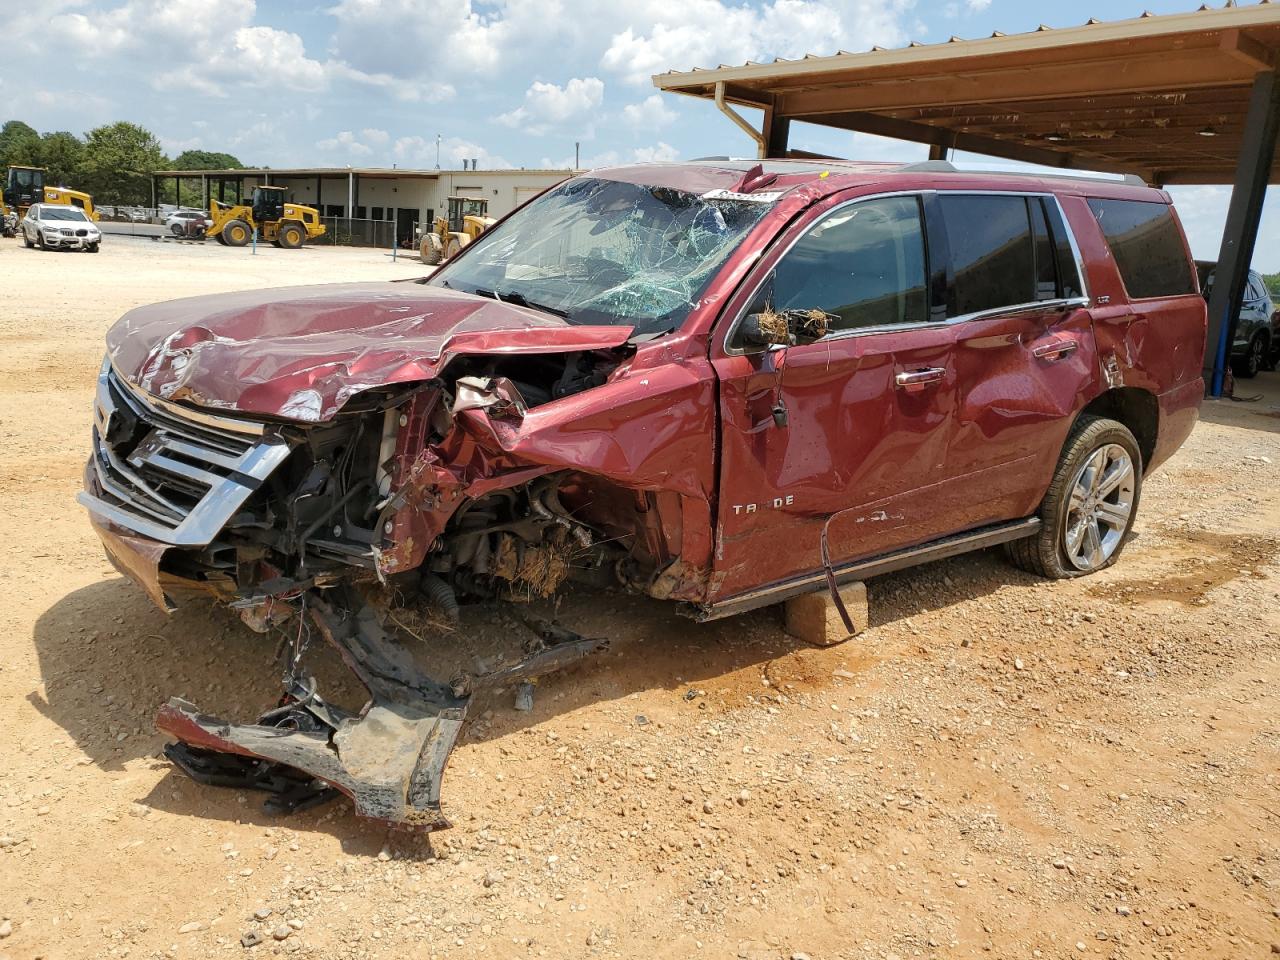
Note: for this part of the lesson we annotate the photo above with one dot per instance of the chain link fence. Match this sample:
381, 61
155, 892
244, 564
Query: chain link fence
340, 231
354, 232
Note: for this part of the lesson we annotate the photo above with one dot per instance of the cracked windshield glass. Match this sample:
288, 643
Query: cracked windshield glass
598, 251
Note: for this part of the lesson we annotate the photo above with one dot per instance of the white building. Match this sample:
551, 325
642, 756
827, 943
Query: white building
405, 197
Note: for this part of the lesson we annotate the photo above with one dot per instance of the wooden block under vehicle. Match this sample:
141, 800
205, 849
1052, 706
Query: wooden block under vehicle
815, 619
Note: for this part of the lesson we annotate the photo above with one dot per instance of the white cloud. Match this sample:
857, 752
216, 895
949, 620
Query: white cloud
547, 106
174, 147
977, 6
659, 153
650, 113
415, 151
346, 142
213, 46
706, 33
425, 35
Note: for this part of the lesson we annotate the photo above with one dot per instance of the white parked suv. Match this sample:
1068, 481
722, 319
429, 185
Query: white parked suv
54, 227
180, 222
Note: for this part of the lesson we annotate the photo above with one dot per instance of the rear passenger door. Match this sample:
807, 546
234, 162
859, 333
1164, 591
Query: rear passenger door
1024, 356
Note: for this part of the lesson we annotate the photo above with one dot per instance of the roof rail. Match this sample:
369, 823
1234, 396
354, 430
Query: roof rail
945, 166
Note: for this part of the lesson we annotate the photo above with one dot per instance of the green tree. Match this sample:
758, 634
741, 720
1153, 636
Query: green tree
118, 161
192, 187
206, 160
62, 154
19, 143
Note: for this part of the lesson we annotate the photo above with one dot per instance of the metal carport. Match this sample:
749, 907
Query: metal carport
1177, 99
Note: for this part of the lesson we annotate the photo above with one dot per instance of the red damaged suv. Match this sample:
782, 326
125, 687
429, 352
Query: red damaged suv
719, 383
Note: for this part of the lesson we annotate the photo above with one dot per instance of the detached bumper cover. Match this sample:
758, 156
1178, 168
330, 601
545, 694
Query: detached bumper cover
389, 760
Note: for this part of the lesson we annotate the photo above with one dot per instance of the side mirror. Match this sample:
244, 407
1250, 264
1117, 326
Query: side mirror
760, 331
787, 328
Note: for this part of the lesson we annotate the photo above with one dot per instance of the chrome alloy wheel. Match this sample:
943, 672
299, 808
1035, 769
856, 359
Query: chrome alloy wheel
1099, 508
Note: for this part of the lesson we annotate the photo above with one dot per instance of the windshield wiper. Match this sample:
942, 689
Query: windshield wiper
520, 300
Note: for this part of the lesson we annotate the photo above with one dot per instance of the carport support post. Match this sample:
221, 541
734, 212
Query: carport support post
1253, 170
777, 133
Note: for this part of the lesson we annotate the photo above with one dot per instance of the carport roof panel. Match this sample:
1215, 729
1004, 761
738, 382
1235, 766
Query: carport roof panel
1161, 96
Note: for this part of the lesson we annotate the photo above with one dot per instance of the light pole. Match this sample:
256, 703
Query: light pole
437, 151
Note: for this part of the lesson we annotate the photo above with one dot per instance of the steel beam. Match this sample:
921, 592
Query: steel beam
777, 133
1253, 169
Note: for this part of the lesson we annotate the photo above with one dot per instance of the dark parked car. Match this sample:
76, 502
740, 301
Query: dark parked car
722, 384
1255, 346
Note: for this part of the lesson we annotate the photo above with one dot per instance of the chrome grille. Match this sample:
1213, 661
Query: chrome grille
172, 474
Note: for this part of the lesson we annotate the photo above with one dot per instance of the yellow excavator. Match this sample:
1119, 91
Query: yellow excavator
468, 218
287, 225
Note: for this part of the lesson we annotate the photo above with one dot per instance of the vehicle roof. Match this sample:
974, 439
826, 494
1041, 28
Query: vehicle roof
828, 176
1213, 265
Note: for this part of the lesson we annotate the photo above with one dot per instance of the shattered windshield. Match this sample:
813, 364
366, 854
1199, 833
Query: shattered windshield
600, 251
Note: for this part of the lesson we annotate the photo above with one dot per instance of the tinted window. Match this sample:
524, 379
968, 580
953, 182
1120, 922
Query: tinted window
1069, 283
992, 252
863, 264
1147, 245
1046, 265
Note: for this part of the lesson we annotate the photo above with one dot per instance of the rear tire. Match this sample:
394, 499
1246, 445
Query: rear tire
1088, 511
237, 233
1248, 366
291, 236
178, 230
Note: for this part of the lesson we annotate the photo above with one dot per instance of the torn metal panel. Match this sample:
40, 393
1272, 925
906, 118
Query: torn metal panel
390, 757
389, 760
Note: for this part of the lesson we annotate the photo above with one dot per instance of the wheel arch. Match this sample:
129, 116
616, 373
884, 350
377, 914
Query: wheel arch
1137, 409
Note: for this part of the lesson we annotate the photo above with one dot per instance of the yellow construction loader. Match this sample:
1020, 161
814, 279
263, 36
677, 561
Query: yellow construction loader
468, 218
23, 186
65, 196
286, 225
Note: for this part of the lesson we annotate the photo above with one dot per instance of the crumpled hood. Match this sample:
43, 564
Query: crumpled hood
302, 352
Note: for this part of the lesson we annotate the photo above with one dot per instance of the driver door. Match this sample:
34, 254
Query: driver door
850, 430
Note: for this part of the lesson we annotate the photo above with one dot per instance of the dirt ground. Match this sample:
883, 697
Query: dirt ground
999, 767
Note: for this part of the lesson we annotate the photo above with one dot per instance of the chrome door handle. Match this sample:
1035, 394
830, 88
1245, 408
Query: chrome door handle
914, 381
1055, 350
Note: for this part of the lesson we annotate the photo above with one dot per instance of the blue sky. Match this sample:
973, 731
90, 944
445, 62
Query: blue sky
516, 83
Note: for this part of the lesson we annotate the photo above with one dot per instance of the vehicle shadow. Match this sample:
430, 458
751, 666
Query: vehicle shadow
109, 659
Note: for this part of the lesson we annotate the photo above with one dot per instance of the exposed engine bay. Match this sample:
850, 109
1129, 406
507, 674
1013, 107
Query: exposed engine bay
410, 502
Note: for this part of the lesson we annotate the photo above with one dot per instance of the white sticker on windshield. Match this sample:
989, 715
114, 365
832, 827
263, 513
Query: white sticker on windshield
749, 197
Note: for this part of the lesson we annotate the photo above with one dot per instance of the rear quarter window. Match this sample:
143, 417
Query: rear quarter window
1147, 245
